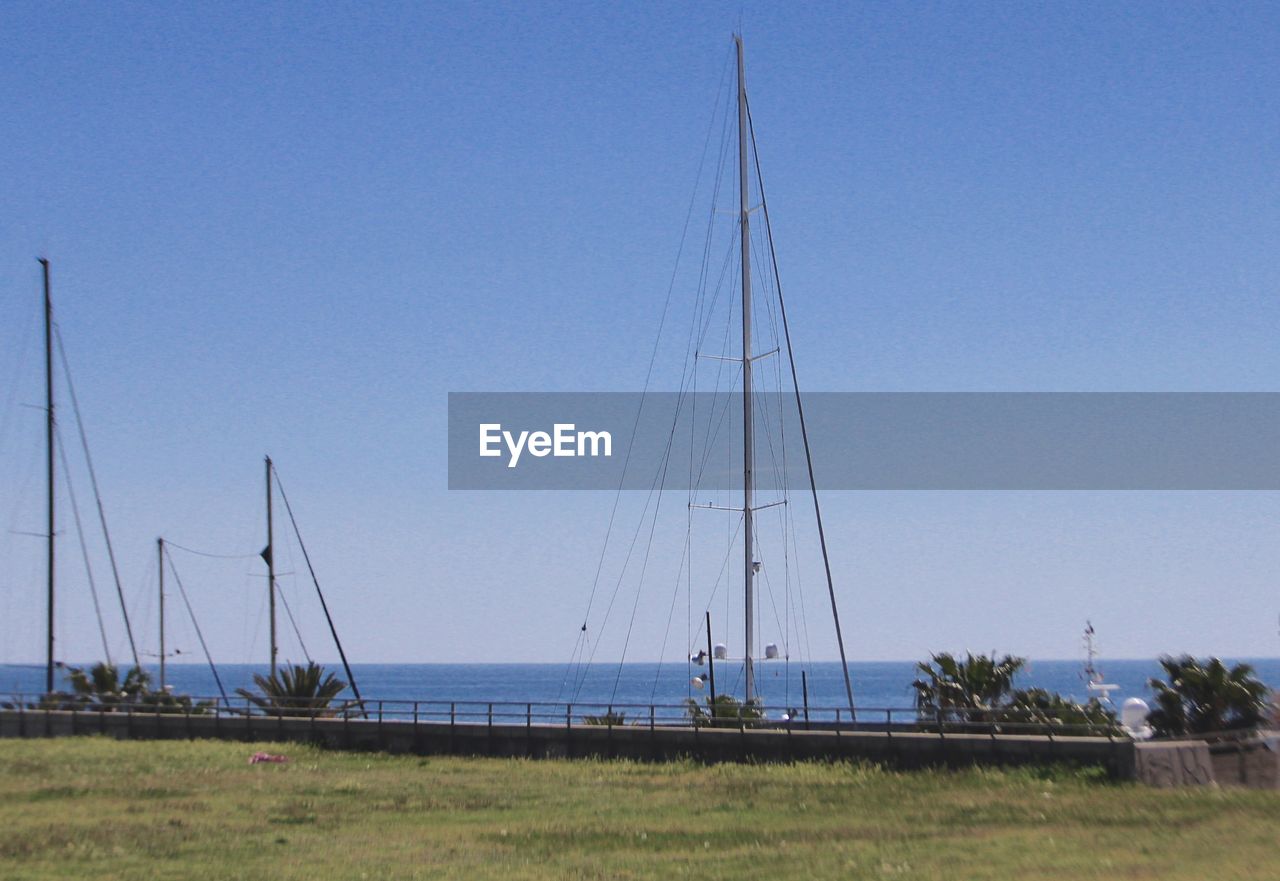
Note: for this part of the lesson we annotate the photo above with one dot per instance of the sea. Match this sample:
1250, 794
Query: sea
877, 685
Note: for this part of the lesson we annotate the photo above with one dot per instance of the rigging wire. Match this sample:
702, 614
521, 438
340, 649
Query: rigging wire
97, 495
724, 567
649, 371
194, 623
280, 592
671, 611
84, 547
573, 657
804, 433
296, 632
689, 370
658, 485
617, 587
653, 525
207, 554
316, 581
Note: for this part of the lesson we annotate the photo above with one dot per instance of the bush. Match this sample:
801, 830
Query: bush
1204, 697
726, 711
100, 690
979, 691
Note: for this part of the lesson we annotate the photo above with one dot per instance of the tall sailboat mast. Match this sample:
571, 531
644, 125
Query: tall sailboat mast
160, 574
49, 442
748, 439
269, 553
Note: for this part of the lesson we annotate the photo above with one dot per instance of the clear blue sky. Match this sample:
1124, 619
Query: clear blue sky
294, 228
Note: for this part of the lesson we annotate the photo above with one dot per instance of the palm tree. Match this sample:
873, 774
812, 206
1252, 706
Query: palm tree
101, 690
102, 683
978, 682
1199, 698
611, 718
294, 690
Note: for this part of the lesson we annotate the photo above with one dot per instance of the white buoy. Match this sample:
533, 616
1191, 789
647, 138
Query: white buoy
721, 651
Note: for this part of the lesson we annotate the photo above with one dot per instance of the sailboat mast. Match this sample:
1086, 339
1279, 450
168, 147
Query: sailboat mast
49, 441
748, 439
160, 570
271, 572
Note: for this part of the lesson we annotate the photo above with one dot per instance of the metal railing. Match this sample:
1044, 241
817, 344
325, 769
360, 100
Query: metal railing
890, 720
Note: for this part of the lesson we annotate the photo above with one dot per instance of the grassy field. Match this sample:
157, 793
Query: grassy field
92, 808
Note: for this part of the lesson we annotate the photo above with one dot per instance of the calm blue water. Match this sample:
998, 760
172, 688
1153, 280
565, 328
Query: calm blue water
875, 684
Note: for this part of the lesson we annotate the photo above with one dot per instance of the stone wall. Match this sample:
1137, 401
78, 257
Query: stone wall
643, 742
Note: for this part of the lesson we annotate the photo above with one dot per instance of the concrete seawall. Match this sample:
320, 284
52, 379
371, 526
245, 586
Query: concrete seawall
642, 742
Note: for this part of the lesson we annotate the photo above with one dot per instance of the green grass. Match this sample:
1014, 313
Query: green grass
92, 808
